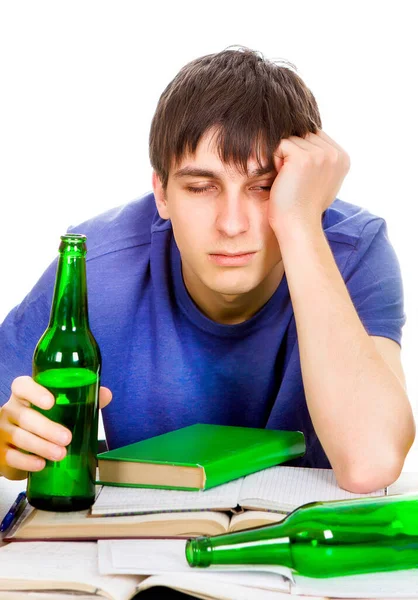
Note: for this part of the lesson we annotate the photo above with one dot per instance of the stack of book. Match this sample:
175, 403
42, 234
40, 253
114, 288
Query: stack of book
202, 480
147, 492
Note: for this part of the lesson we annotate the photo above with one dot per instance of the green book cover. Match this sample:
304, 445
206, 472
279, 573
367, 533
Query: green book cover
198, 457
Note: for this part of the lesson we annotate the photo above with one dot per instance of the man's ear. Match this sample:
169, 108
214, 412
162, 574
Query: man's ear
160, 198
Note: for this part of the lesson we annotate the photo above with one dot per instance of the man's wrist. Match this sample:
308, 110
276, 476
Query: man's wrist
294, 231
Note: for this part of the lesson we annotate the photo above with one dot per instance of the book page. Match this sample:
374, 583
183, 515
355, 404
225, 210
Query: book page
44, 521
59, 565
48, 595
286, 488
254, 518
39, 524
393, 584
152, 557
114, 500
166, 560
225, 586
141, 557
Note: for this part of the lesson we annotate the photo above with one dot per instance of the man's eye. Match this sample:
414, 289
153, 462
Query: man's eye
199, 190
262, 188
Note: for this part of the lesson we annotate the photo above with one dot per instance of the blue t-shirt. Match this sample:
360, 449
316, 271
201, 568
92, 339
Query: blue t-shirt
167, 364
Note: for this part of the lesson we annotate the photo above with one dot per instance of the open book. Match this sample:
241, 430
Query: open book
68, 570
165, 560
280, 489
258, 499
86, 570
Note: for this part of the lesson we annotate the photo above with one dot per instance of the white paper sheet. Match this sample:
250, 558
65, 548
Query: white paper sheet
125, 500
289, 487
276, 488
61, 561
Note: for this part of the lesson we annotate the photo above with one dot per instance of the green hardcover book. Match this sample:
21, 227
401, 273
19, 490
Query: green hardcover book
198, 457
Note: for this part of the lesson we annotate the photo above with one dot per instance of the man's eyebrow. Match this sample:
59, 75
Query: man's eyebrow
198, 172
262, 171
195, 172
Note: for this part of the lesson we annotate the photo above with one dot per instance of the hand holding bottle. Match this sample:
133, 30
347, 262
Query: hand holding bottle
24, 430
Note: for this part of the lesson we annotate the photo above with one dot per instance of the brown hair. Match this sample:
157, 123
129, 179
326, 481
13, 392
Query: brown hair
250, 102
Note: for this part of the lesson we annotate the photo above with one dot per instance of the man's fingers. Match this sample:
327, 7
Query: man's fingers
24, 440
320, 133
13, 474
36, 423
15, 459
25, 388
30, 437
105, 396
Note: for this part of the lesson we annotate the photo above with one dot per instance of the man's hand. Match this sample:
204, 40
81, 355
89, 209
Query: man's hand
23, 428
310, 173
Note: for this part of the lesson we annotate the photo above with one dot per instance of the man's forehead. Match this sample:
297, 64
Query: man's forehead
208, 160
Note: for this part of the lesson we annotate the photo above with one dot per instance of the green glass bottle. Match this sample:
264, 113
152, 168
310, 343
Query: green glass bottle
324, 539
67, 362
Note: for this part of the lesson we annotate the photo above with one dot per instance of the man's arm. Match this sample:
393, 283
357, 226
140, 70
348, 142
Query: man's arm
354, 383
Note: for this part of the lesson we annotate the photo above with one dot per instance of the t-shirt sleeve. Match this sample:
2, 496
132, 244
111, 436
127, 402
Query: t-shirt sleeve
21, 330
373, 278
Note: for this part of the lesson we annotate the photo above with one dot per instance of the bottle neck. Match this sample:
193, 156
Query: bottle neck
69, 307
229, 549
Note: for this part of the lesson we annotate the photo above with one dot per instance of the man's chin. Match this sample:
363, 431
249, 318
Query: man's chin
232, 290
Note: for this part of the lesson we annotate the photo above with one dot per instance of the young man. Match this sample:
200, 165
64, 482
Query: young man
241, 292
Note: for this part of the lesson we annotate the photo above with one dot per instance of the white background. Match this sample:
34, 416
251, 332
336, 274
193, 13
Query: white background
80, 81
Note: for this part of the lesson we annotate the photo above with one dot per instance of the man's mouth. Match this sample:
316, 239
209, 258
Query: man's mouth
232, 259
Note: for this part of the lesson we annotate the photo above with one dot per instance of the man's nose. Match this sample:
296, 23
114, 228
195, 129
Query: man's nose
232, 214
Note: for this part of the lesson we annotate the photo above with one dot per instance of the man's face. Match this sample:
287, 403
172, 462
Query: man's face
220, 223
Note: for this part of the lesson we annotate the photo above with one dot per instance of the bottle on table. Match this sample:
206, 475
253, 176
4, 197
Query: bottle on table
324, 539
67, 362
